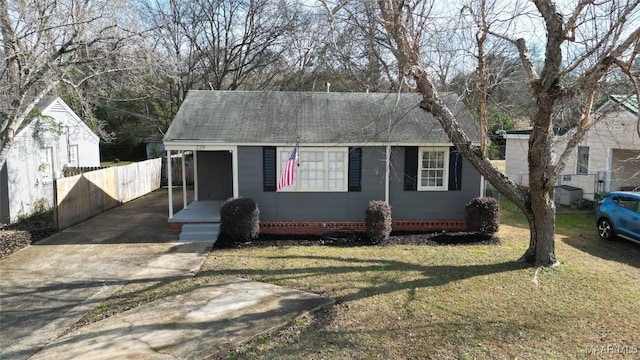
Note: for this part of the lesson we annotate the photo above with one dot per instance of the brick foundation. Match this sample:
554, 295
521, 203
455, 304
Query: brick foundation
429, 225
175, 228
317, 227
309, 227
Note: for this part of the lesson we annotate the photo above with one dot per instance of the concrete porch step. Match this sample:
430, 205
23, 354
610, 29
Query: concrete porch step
199, 233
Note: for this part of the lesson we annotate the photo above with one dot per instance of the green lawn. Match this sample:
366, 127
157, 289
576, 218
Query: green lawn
445, 302
115, 163
464, 302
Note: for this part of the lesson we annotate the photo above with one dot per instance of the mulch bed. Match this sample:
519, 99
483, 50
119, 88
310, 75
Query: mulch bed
12, 241
360, 239
17, 236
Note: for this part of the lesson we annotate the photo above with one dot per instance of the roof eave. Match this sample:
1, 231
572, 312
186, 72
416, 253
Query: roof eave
186, 145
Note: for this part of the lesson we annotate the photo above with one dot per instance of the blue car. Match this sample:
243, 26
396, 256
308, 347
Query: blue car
619, 215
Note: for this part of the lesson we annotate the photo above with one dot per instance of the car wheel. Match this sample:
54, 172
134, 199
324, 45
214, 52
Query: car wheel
605, 229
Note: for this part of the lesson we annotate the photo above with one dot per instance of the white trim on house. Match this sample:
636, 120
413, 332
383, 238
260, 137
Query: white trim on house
445, 168
283, 154
195, 176
234, 164
517, 136
215, 146
185, 203
60, 106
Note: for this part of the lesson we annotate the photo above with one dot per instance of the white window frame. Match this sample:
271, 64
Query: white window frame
46, 164
73, 155
445, 169
579, 163
283, 154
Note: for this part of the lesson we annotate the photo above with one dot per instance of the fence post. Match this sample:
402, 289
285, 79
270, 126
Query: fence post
55, 204
170, 183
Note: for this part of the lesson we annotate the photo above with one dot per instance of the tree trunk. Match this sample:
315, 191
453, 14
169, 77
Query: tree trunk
541, 251
542, 182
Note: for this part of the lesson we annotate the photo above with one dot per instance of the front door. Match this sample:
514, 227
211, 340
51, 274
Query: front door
215, 175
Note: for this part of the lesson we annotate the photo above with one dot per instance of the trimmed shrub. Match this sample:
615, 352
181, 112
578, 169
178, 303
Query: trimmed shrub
378, 221
482, 215
240, 219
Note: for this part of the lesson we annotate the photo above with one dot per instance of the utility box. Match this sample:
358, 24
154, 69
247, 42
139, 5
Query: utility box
566, 194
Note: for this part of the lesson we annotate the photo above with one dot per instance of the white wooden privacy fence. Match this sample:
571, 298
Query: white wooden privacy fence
176, 169
82, 196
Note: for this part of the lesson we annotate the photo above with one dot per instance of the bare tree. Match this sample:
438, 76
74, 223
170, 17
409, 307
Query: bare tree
362, 49
50, 44
172, 28
236, 39
582, 45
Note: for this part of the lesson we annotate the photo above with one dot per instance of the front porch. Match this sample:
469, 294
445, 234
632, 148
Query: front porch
197, 212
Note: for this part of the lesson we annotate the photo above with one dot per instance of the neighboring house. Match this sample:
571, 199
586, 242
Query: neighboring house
154, 146
353, 148
52, 138
607, 159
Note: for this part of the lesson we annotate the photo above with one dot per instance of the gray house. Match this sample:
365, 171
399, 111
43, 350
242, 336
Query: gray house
353, 148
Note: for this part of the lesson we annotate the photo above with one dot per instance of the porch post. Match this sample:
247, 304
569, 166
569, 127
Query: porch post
184, 181
234, 161
195, 175
386, 173
170, 184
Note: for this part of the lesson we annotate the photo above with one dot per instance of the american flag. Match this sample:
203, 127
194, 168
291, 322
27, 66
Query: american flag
289, 170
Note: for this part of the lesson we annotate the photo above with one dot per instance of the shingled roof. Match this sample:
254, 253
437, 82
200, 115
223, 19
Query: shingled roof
250, 117
629, 102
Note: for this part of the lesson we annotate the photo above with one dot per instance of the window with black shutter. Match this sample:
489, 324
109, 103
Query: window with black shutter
455, 169
432, 169
269, 177
411, 168
355, 169
317, 170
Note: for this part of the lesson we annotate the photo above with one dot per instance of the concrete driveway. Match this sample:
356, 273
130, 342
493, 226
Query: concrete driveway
46, 287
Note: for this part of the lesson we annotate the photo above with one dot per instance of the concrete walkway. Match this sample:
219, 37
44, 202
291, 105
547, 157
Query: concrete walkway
46, 287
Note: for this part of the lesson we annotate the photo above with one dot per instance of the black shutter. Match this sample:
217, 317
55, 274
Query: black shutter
455, 169
269, 168
355, 169
411, 168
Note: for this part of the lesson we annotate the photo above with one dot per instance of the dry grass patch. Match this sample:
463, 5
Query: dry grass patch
439, 302
463, 302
